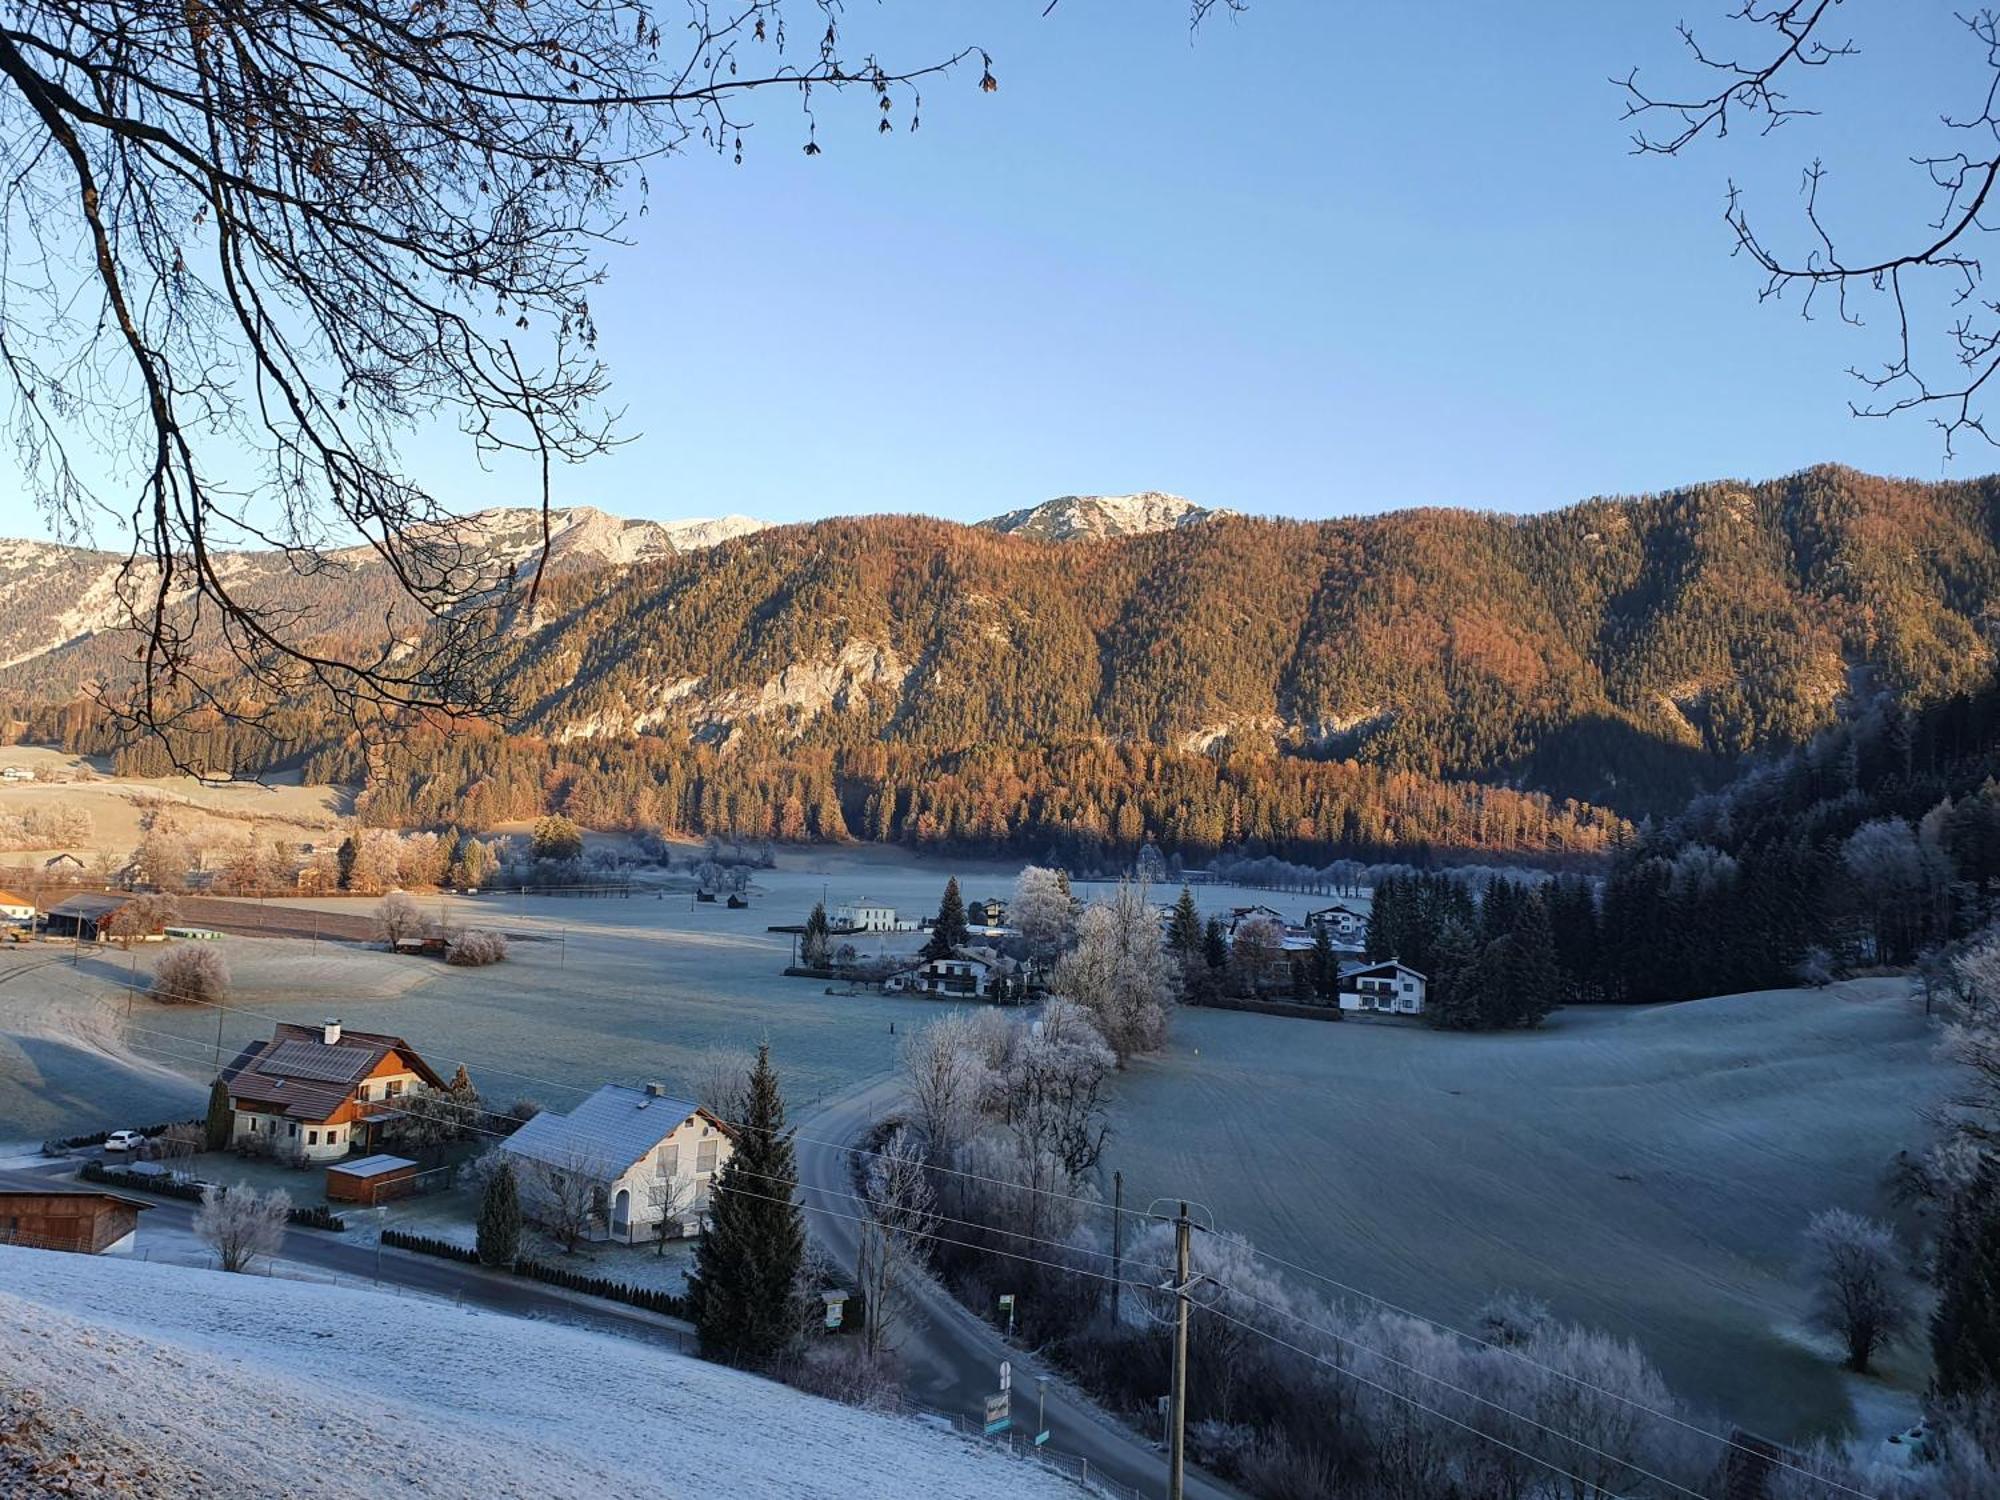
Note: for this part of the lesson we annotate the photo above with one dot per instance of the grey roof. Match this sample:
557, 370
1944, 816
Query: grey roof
609, 1131
371, 1166
88, 905
1348, 971
317, 1060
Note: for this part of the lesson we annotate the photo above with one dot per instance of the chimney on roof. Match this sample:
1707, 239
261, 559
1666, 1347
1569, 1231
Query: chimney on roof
656, 1091
330, 1032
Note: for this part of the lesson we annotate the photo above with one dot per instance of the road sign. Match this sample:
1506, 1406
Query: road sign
1006, 1302
999, 1407
1006, 1376
1041, 1437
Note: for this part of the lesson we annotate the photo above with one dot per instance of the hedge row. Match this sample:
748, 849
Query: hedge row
652, 1299
312, 1216
99, 1137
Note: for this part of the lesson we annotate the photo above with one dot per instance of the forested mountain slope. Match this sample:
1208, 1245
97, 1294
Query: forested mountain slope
1624, 651
1613, 649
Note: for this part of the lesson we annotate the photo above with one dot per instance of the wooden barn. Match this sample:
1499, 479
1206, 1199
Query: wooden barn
66, 1216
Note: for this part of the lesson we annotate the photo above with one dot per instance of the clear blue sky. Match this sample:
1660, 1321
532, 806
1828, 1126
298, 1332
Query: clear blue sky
1321, 259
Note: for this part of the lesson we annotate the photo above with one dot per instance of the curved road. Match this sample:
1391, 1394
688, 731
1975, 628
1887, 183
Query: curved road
951, 1357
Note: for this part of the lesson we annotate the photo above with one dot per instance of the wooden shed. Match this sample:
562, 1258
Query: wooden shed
58, 1216
371, 1180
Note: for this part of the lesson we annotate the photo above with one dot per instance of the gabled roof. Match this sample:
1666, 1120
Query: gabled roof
606, 1133
8, 898
302, 1076
1349, 971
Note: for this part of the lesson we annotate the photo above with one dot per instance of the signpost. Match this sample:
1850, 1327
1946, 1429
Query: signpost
1007, 1307
999, 1407
1041, 1410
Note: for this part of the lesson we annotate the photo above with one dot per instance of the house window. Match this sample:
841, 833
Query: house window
670, 1161
295, 1129
312, 1137
705, 1157
392, 1088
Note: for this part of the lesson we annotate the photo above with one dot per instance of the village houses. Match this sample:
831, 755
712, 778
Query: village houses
963, 974
1386, 988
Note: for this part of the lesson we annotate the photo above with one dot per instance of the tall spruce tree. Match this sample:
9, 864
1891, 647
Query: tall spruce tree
816, 946
499, 1238
1184, 931
220, 1116
1965, 1325
1215, 945
743, 1285
948, 931
1325, 966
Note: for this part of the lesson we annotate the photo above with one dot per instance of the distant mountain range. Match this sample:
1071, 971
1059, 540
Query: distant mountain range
1624, 651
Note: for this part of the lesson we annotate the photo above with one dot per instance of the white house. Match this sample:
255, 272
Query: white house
1340, 921
647, 1155
16, 908
1241, 914
864, 916
967, 973
1389, 987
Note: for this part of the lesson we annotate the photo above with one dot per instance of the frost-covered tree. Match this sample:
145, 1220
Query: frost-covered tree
1053, 1087
1857, 1289
946, 1082
397, 917
191, 974
476, 947
814, 949
566, 1196
1043, 914
1254, 953
895, 1243
241, 1224
1119, 972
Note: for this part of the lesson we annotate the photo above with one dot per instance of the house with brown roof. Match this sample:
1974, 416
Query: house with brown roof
16, 908
316, 1093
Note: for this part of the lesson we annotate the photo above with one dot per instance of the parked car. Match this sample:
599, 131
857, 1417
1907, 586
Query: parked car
124, 1140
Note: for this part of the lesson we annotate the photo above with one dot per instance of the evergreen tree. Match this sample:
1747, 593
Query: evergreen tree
465, 1102
1965, 1326
1215, 945
815, 948
1451, 1002
500, 1220
1184, 931
349, 851
1531, 976
220, 1116
742, 1286
1325, 967
948, 931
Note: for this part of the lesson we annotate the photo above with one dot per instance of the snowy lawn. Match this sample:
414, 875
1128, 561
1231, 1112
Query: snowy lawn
246, 1385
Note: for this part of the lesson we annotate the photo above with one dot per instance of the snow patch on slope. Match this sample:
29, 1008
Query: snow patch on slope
244, 1385
1097, 518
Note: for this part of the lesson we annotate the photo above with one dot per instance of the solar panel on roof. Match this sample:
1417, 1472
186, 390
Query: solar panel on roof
318, 1061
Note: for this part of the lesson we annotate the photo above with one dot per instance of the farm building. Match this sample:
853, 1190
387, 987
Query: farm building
642, 1155
316, 1093
1389, 987
85, 915
64, 1216
371, 1179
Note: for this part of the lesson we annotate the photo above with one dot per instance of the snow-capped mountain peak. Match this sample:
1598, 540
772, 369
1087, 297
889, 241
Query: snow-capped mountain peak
1100, 517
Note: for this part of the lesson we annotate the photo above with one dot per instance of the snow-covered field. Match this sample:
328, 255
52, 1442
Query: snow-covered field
1647, 1171
246, 1386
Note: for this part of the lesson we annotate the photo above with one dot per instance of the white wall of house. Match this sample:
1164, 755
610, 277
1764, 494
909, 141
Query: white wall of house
281, 1136
1401, 992
678, 1175
864, 916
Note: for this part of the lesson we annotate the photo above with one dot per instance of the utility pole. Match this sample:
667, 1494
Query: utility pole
1177, 1433
1117, 1242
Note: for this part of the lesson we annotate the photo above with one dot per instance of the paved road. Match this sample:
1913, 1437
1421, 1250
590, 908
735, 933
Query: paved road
952, 1358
